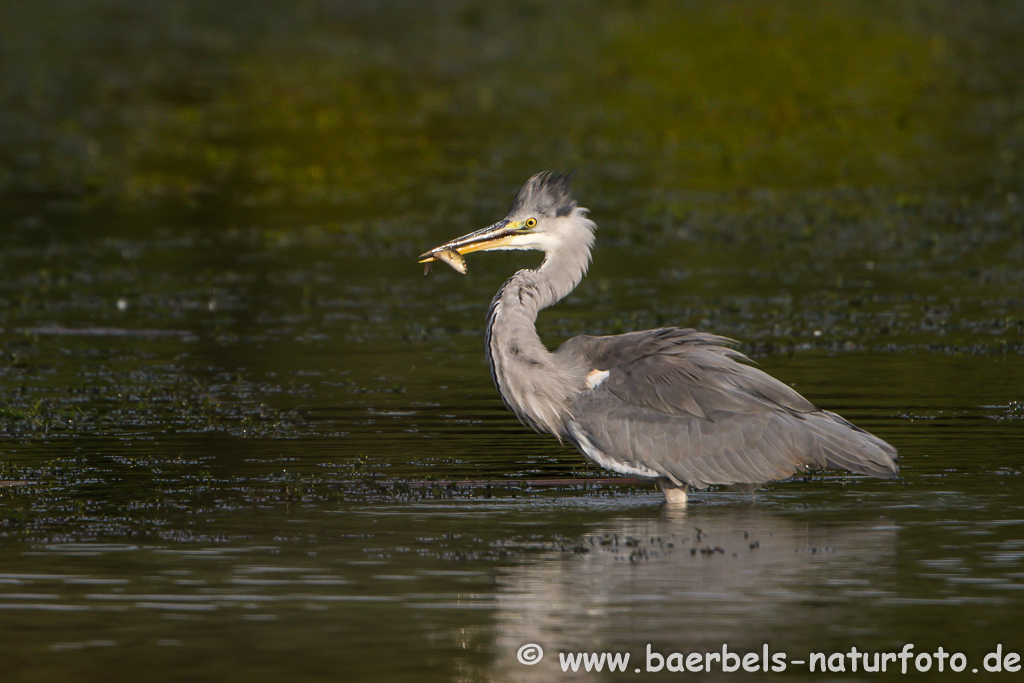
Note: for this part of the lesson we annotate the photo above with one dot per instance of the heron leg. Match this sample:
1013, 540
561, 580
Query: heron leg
674, 495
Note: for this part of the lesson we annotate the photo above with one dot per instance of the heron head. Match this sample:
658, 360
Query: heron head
543, 216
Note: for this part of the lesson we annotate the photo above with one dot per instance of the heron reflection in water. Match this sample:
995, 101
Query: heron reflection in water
670, 405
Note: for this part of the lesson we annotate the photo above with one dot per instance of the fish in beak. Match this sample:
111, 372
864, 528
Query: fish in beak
452, 258
501, 235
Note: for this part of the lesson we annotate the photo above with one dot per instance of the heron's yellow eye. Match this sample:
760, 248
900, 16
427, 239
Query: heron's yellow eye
531, 222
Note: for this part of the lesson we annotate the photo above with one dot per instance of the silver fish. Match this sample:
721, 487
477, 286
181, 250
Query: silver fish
452, 258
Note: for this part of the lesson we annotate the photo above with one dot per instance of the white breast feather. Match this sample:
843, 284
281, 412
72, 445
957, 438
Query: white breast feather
602, 459
595, 377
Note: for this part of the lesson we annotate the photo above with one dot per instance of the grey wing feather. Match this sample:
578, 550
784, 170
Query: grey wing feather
680, 403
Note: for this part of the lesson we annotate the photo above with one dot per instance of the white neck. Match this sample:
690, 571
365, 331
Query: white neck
531, 383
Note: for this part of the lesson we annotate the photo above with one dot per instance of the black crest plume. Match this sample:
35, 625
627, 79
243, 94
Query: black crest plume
548, 194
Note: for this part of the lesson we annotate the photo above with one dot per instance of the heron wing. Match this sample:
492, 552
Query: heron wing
680, 403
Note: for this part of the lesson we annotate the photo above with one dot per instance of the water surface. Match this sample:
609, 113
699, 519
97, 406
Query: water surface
243, 438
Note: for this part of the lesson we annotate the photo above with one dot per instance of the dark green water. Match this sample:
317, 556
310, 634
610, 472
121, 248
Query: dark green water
231, 405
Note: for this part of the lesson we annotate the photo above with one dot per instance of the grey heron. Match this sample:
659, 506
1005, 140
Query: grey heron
671, 405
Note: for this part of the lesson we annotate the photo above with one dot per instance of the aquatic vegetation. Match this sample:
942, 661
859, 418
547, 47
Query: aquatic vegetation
242, 436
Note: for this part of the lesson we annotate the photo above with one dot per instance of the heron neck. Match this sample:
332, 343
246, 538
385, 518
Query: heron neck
558, 275
528, 292
530, 380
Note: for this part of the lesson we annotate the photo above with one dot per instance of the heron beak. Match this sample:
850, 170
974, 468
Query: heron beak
491, 237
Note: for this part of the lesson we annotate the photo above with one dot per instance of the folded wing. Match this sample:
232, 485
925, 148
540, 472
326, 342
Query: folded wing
680, 403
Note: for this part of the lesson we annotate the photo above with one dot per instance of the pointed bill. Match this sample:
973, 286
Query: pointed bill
492, 237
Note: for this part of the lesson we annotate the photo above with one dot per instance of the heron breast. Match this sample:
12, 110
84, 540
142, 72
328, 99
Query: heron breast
599, 457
